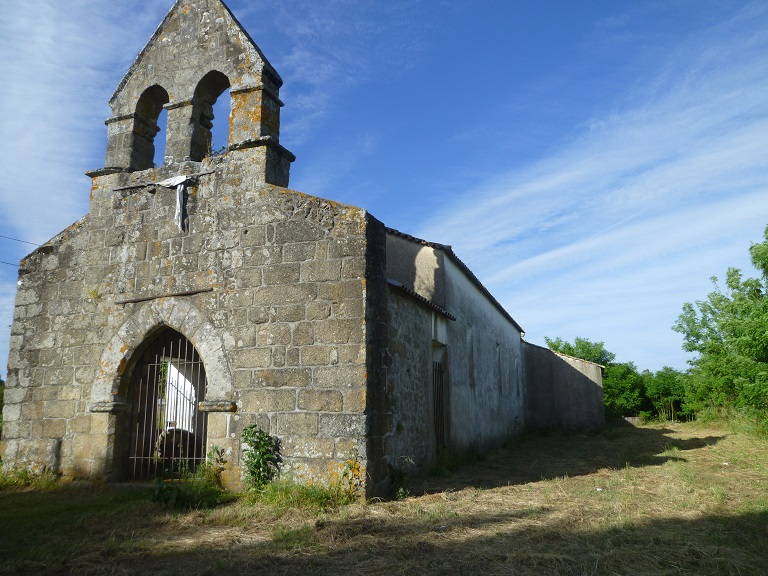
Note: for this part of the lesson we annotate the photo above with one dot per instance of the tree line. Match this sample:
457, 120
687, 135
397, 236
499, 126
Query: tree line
728, 334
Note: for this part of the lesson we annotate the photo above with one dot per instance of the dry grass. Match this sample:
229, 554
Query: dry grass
676, 499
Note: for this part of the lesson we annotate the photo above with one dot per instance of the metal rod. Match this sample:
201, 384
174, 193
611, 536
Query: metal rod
174, 295
145, 184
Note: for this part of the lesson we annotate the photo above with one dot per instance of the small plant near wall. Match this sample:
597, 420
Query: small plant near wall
213, 467
195, 491
352, 479
262, 457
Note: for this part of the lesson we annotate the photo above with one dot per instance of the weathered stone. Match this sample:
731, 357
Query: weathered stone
54, 409
49, 428
345, 376
355, 400
303, 334
281, 274
273, 334
299, 252
280, 295
320, 400
342, 425
304, 447
294, 313
289, 377
320, 271
339, 332
297, 423
251, 358
80, 425
318, 310
316, 355
343, 247
217, 406
268, 400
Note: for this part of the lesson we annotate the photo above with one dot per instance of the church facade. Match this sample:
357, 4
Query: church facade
203, 296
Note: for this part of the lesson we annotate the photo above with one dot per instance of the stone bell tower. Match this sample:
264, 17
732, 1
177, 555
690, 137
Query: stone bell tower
198, 51
199, 296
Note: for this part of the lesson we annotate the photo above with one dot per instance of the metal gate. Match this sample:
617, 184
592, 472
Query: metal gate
438, 397
167, 430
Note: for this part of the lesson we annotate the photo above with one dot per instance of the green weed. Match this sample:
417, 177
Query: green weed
262, 457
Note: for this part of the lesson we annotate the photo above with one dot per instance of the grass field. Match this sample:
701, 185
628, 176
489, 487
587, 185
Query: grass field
650, 500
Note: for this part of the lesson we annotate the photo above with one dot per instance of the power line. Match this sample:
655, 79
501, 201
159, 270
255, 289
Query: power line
17, 240
9, 264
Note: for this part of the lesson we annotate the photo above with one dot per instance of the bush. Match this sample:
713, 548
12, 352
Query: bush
262, 457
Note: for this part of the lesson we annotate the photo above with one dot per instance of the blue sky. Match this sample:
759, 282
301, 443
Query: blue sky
594, 163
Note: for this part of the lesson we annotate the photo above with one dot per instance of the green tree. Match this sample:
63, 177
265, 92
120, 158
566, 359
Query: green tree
728, 332
623, 393
666, 391
582, 348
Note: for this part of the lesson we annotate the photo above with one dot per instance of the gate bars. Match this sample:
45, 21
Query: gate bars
167, 430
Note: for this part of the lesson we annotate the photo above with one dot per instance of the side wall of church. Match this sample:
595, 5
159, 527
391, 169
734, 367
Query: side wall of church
278, 314
475, 348
485, 368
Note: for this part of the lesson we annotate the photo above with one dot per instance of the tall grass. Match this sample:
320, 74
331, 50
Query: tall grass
658, 499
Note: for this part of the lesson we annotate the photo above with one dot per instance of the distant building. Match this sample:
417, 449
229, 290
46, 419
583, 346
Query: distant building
202, 296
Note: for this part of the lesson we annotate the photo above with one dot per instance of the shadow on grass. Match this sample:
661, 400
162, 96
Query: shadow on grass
40, 527
120, 533
549, 456
528, 541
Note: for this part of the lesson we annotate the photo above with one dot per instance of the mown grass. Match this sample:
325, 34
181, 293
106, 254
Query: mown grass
662, 499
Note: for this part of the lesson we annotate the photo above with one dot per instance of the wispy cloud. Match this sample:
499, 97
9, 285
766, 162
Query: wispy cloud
61, 62
59, 66
609, 235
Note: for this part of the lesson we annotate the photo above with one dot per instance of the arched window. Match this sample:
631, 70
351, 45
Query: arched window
160, 138
222, 110
145, 127
207, 93
166, 432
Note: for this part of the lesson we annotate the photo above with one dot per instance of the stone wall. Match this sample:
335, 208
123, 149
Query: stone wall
410, 444
277, 312
563, 393
450, 319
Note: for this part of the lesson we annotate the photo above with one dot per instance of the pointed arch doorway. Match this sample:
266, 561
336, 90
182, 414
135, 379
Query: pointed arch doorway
166, 433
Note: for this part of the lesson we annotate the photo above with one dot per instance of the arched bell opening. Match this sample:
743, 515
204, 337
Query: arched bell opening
147, 125
164, 432
207, 93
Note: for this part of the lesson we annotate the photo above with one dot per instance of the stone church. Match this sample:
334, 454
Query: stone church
202, 296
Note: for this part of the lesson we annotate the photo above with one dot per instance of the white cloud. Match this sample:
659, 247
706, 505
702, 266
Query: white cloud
61, 62
604, 238
609, 236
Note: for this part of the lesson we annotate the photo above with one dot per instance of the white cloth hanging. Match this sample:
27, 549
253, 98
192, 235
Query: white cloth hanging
180, 183
178, 217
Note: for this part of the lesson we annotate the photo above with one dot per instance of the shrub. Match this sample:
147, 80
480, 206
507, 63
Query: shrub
262, 457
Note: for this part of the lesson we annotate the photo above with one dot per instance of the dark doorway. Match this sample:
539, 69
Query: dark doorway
438, 409
167, 431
